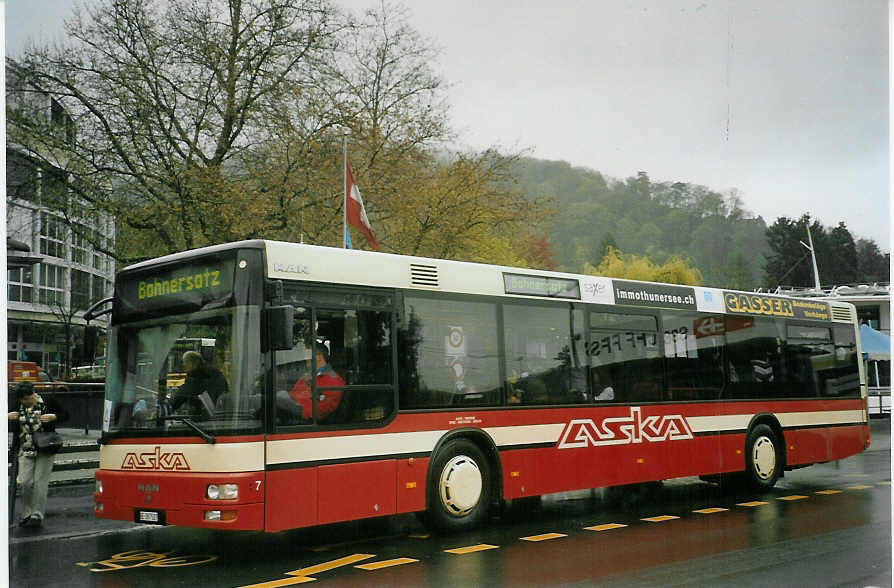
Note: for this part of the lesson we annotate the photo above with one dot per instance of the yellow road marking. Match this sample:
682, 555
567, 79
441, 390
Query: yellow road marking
330, 565
471, 548
419, 535
792, 497
710, 510
660, 519
281, 582
605, 527
544, 537
753, 503
387, 563
829, 492
303, 575
858, 487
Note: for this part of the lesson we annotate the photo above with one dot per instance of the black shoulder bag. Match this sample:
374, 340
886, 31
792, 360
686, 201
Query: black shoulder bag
48, 442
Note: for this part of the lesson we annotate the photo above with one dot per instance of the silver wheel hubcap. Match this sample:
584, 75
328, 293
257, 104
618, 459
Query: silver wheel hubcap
460, 485
763, 455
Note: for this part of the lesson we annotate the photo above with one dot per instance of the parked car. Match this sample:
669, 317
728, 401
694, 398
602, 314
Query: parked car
28, 371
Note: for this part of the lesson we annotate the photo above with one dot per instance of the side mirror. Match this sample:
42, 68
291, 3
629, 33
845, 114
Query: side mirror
278, 322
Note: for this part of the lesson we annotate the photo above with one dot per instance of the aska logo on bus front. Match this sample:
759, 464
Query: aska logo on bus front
155, 460
625, 430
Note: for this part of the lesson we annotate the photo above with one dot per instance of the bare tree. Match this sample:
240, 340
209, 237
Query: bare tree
379, 85
205, 121
65, 315
167, 98
421, 199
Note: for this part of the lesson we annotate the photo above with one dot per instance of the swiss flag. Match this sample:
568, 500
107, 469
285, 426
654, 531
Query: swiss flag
356, 212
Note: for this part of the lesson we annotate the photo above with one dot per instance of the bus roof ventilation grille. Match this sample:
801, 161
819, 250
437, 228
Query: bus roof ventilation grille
840, 313
425, 276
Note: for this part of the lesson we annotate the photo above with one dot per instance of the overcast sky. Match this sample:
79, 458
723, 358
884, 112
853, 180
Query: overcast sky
786, 102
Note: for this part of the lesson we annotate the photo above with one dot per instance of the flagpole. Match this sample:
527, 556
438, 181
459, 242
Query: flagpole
344, 218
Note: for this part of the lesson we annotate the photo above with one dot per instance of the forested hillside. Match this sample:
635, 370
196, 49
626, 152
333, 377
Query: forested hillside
727, 243
731, 246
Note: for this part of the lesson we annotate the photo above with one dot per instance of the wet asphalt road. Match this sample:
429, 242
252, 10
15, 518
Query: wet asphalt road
826, 525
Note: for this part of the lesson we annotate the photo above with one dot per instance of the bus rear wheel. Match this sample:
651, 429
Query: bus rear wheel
459, 487
763, 458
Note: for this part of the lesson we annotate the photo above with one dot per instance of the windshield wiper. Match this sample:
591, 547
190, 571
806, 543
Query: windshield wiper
187, 420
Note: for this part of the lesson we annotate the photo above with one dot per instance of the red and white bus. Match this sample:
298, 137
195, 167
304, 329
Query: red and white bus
450, 386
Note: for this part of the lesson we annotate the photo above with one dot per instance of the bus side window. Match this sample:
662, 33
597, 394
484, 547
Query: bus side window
694, 355
624, 349
360, 346
545, 360
842, 377
754, 347
447, 353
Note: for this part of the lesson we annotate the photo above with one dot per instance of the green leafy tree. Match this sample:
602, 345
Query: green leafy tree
789, 262
840, 256
872, 264
738, 272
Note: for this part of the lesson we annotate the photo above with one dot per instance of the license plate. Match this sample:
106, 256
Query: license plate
148, 516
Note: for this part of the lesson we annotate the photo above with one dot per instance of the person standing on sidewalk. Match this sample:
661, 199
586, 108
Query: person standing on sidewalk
34, 468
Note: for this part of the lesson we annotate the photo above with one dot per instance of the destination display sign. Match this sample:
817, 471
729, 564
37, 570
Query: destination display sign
528, 285
656, 295
761, 304
192, 283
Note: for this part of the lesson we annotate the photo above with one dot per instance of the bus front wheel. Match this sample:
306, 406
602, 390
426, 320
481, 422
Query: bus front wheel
459, 487
763, 457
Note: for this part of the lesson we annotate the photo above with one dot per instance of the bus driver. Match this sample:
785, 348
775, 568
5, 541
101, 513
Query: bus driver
201, 379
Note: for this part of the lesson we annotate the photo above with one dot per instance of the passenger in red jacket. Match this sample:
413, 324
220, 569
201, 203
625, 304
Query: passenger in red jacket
328, 400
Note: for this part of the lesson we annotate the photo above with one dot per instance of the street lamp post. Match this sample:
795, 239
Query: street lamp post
816, 280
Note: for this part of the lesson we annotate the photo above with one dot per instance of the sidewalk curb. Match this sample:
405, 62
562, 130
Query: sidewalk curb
38, 536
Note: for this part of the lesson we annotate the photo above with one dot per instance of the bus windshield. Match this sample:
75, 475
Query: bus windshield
204, 366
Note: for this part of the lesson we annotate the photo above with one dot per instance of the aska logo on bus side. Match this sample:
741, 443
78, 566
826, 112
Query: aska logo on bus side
625, 430
155, 460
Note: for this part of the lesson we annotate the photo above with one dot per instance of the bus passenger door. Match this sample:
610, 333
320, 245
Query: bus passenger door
336, 382
695, 356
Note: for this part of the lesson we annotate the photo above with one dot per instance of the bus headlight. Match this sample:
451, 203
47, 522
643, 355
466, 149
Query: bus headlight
98, 487
222, 491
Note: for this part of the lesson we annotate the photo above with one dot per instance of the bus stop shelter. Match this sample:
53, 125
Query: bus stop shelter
877, 356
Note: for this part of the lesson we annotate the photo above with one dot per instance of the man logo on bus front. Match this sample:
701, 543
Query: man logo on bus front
625, 430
